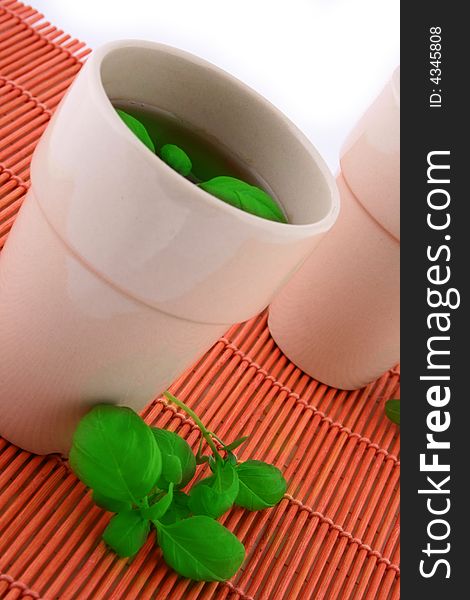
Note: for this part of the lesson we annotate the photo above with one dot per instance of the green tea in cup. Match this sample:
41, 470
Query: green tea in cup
200, 158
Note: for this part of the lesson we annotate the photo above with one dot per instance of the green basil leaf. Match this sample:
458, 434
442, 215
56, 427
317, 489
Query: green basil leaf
244, 196
200, 548
235, 444
176, 158
110, 503
392, 410
157, 510
115, 453
261, 485
137, 128
214, 495
232, 459
126, 533
174, 449
178, 509
171, 469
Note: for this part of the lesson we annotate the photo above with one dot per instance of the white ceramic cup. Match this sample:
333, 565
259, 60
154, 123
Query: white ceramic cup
338, 317
118, 272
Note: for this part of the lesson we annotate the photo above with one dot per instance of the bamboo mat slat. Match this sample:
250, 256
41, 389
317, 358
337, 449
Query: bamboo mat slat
335, 534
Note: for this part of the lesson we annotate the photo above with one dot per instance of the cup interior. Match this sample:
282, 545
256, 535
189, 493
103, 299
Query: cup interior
224, 109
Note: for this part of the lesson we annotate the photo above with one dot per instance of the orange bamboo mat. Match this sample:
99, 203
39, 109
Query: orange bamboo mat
334, 535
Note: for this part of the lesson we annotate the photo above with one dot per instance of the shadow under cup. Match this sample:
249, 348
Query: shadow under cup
119, 272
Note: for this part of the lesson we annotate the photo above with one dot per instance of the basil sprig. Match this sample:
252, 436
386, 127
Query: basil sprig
138, 472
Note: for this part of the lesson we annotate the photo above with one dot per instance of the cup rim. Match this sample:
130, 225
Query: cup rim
103, 103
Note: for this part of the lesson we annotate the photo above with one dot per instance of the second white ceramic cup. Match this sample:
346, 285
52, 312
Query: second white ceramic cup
338, 318
118, 272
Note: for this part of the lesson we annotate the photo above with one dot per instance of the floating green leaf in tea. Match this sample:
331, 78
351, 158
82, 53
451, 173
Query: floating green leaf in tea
242, 195
176, 158
137, 128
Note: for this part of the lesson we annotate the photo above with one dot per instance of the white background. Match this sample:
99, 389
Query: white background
320, 61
